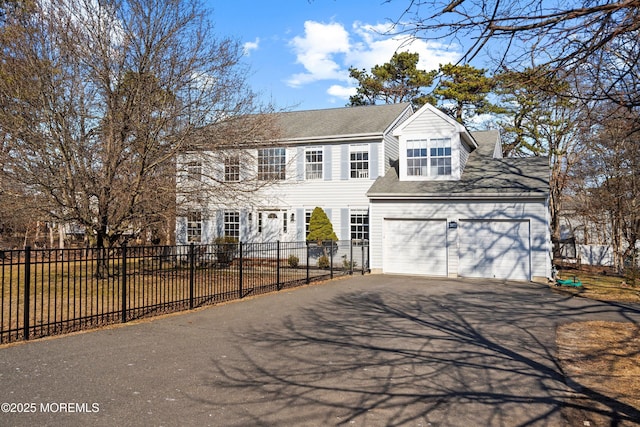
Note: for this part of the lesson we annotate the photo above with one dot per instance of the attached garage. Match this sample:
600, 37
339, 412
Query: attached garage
452, 206
498, 249
415, 246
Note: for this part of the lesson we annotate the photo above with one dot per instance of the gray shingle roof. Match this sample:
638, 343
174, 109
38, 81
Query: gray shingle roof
483, 176
338, 122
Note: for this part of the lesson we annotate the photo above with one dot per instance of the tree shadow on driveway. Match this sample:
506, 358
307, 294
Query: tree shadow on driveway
390, 357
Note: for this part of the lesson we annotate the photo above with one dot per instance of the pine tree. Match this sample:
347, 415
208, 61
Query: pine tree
321, 231
320, 227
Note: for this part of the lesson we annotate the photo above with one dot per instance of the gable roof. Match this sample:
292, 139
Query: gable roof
483, 177
428, 108
346, 123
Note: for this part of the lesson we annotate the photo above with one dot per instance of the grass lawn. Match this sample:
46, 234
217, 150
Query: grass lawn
601, 287
602, 356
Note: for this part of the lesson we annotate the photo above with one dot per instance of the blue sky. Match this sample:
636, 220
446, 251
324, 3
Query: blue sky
300, 51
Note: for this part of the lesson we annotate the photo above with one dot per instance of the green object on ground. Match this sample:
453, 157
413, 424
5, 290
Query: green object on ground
569, 282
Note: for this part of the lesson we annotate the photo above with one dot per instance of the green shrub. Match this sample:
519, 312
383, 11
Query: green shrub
294, 261
323, 262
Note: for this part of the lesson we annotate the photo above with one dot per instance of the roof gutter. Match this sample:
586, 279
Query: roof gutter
467, 196
331, 138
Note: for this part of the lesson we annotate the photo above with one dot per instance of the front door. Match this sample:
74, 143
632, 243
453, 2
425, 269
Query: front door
272, 226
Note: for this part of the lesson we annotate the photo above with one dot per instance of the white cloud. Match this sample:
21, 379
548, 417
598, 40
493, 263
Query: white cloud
342, 92
249, 46
316, 51
326, 51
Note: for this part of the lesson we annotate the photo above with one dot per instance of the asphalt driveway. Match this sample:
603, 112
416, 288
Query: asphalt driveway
364, 351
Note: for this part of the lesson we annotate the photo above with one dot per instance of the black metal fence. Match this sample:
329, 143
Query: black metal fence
52, 291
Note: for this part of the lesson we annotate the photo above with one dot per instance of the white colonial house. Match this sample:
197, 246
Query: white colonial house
431, 197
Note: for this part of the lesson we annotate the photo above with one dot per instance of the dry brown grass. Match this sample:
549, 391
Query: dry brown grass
603, 357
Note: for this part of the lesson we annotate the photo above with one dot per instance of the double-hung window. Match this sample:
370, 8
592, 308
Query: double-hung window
440, 155
313, 163
271, 164
359, 161
194, 171
194, 226
429, 157
232, 169
232, 224
417, 157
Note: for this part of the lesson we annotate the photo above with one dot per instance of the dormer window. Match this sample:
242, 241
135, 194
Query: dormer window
440, 156
429, 157
417, 157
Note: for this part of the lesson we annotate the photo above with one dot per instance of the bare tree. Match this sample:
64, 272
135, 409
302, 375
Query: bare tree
609, 192
543, 122
98, 99
558, 34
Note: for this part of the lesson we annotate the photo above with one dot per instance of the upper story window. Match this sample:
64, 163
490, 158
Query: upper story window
429, 157
440, 154
417, 157
271, 164
194, 171
359, 162
232, 169
313, 163
194, 226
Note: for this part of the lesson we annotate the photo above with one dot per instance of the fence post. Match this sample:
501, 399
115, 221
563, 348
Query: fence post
240, 272
363, 255
192, 272
27, 291
123, 291
351, 258
331, 259
307, 243
278, 264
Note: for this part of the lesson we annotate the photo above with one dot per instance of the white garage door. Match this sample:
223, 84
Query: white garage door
415, 247
495, 249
